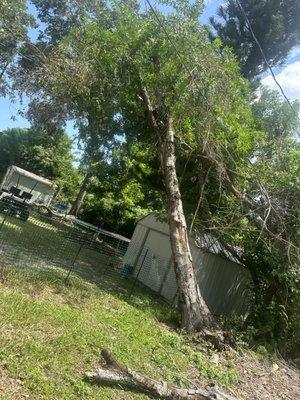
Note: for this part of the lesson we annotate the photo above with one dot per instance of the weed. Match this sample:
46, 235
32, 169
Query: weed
208, 370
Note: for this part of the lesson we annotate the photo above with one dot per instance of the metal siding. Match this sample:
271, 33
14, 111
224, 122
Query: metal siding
224, 284
155, 263
169, 288
159, 243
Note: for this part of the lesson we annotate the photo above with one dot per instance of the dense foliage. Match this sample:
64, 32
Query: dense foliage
275, 23
124, 189
14, 23
237, 158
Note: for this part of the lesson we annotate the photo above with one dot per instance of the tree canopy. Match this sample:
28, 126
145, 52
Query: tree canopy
167, 122
275, 23
130, 77
14, 23
125, 188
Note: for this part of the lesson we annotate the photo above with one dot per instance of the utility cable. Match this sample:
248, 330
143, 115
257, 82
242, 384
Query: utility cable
264, 57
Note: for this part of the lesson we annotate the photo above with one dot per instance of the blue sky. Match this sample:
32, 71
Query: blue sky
288, 76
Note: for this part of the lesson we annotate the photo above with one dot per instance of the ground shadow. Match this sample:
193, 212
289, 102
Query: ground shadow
65, 253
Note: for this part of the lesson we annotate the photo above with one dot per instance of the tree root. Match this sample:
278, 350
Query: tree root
115, 373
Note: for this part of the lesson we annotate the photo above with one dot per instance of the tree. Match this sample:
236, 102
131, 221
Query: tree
156, 99
124, 188
94, 119
179, 110
276, 271
46, 151
60, 16
275, 23
14, 24
195, 105
274, 116
259, 222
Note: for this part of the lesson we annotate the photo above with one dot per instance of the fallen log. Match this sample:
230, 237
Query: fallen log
115, 373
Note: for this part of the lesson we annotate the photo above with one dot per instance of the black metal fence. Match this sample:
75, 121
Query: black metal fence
31, 238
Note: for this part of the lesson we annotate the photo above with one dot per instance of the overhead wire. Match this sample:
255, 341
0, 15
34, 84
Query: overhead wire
201, 90
265, 58
191, 75
254, 37
161, 24
188, 71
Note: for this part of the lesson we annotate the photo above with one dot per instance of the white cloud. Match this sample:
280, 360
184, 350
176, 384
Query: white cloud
295, 52
288, 78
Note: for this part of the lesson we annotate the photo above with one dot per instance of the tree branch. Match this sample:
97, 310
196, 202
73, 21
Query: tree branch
4, 70
149, 111
200, 200
115, 373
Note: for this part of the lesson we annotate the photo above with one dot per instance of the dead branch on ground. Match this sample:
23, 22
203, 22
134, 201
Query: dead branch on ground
114, 373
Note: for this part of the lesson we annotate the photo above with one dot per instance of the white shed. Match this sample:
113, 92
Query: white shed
223, 281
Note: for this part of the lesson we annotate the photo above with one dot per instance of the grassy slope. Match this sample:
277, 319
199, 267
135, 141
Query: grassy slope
51, 334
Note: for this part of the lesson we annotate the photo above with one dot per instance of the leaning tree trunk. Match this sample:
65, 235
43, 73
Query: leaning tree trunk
195, 313
80, 197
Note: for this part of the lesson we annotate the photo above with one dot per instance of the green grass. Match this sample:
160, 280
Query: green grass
42, 241
51, 334
37, 239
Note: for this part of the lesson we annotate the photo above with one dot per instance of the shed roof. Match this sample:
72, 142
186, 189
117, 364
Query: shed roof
210, 243
205, 241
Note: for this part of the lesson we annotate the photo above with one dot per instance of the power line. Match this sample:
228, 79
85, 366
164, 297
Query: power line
201, 90
174, 46
264, 58
254, 37
161, 24
210, 107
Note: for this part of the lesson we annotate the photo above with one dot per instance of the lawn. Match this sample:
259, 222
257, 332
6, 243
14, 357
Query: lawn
52, 333
43, 242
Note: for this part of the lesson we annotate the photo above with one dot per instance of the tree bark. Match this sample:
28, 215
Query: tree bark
116, 374
194, 311
81, 196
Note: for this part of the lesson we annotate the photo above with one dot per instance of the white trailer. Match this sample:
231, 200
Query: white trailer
20, 188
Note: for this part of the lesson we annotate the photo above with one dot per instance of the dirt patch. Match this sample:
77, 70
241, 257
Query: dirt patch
11, 388
262, 379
